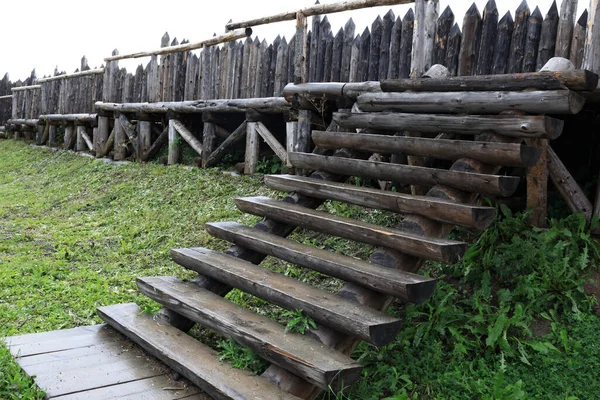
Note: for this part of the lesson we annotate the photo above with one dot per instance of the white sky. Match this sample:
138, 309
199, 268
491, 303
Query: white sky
43, 34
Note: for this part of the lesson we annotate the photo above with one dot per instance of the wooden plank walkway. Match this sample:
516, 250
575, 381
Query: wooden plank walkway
94, 363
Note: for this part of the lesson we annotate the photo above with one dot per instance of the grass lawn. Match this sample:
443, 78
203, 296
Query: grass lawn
75, 233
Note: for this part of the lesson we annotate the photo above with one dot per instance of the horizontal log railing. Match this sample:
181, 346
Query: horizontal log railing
273, 105
98, 71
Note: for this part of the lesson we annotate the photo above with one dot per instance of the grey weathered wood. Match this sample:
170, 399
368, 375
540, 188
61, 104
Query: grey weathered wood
578, 43
299, 354
252, 148
328, 309
190, 358
349, 29
576, 200
409, 287
187, 136
534, 30
591, 59
426, 15
453, 50
144, 137
421, 246
471, 36
435, 209
269, 105
174, 144
470, 182
120, 140
406, 43
506, 154
300, 48
519, 38
579, 80
375, 49
506, 125
386, 37
488, 41
158, 144
444, 25
566, 24
70, 137
209, 139
395, 43
502, 54
273, 143
235, 137
537, 102
336, 56
547, 45
130, 133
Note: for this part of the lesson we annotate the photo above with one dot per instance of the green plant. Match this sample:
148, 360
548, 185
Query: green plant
240, 357
269, 165
298, 322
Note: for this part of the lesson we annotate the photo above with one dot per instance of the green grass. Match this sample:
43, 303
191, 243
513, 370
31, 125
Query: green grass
75, 233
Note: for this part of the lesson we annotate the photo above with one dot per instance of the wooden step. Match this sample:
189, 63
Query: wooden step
504, 154
331, 310
437, 209
299, 354
506, 125
409, 287
493, 185
487, 102
192, 359
446, 251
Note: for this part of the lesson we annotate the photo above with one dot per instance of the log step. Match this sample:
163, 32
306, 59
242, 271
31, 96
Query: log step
446, 251
437, 209
487, 102
506, 125
328, 309
503, 154
192, 359
409, 287
299, 354
493, 185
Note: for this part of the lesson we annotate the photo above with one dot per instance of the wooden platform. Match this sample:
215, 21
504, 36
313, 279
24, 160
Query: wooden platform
96, 363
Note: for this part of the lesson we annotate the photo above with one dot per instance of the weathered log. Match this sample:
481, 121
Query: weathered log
90, 72
252, 148
578, 43
158, 144
318, 9
579, 80
444, 25
272, 141
120, 142
395, 49
547, 46
426, 15
430, 207
174, 155
300, 354
505, 154
506, 125
537, 185
408, 23
70, 137
440, 250
24, 88
221, 151
534, 30
453, 50
592, 52
538, 102
53, 119
466, 181
566, 25
187, 136
505, 32
488, 41
471, 36
351, 318
269, 105
519, 39
144, 137
130, 133
375, 49
304, 95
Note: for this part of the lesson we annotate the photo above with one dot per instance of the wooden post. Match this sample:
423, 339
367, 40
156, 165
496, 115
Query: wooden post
534, 30
566, 24
252, 148
39, 134
426, 15
102, 136
489, 35
578, 43
471, 36
144, 137
209, 138
120, 140
505, 31
300, 55
537, 185
291, 129
69, 136
519, 38
80, 145
52, 135
174, 144
444, 26
548, 37
591, 59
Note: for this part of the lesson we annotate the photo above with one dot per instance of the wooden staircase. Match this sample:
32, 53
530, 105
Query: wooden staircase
321, 357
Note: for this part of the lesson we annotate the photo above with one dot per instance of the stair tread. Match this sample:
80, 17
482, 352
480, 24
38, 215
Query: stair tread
431, 207
300, 354
184, 354
404, 285
443, 250
472, 182
329, 309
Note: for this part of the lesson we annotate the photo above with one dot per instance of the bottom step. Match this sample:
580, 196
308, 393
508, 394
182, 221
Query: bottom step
189, 357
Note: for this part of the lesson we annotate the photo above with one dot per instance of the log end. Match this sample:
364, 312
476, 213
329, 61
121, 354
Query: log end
554, 127
530, 155
483, 217
418, 293
384, 334
452, 253
508, 185
576, 103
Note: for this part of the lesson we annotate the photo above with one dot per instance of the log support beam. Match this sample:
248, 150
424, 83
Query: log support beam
537, 184
174, 144
236, 136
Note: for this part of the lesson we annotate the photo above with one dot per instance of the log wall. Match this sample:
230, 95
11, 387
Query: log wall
482, 42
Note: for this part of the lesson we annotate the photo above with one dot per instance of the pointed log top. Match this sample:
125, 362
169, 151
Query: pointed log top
264, 43
325, 21
356, 41
277, 39
317, 2
537, 13
283, 42
366, 32
390, 15
553, 11
447, 14
523, 7
490, 8
350, 25
377, 23
506, 19
409, 16
340, 34
583, 19
164, 42
473, 11
115, 52
256, 41
175, 42
455, 31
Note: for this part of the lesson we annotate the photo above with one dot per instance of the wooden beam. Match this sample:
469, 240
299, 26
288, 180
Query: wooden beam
537, 185
221, 151
130, 132
537, 102
187, 136
318, 9
227, 37
252, 148
158, 144
273, 143
174, 144
268, 105
334, 311
22, 88
566, 23
591, 58
469, 182
98, 71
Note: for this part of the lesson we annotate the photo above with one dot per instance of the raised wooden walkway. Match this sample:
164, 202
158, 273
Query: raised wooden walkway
96, 363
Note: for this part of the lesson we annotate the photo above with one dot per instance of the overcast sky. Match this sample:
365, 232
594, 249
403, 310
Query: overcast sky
43, 34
